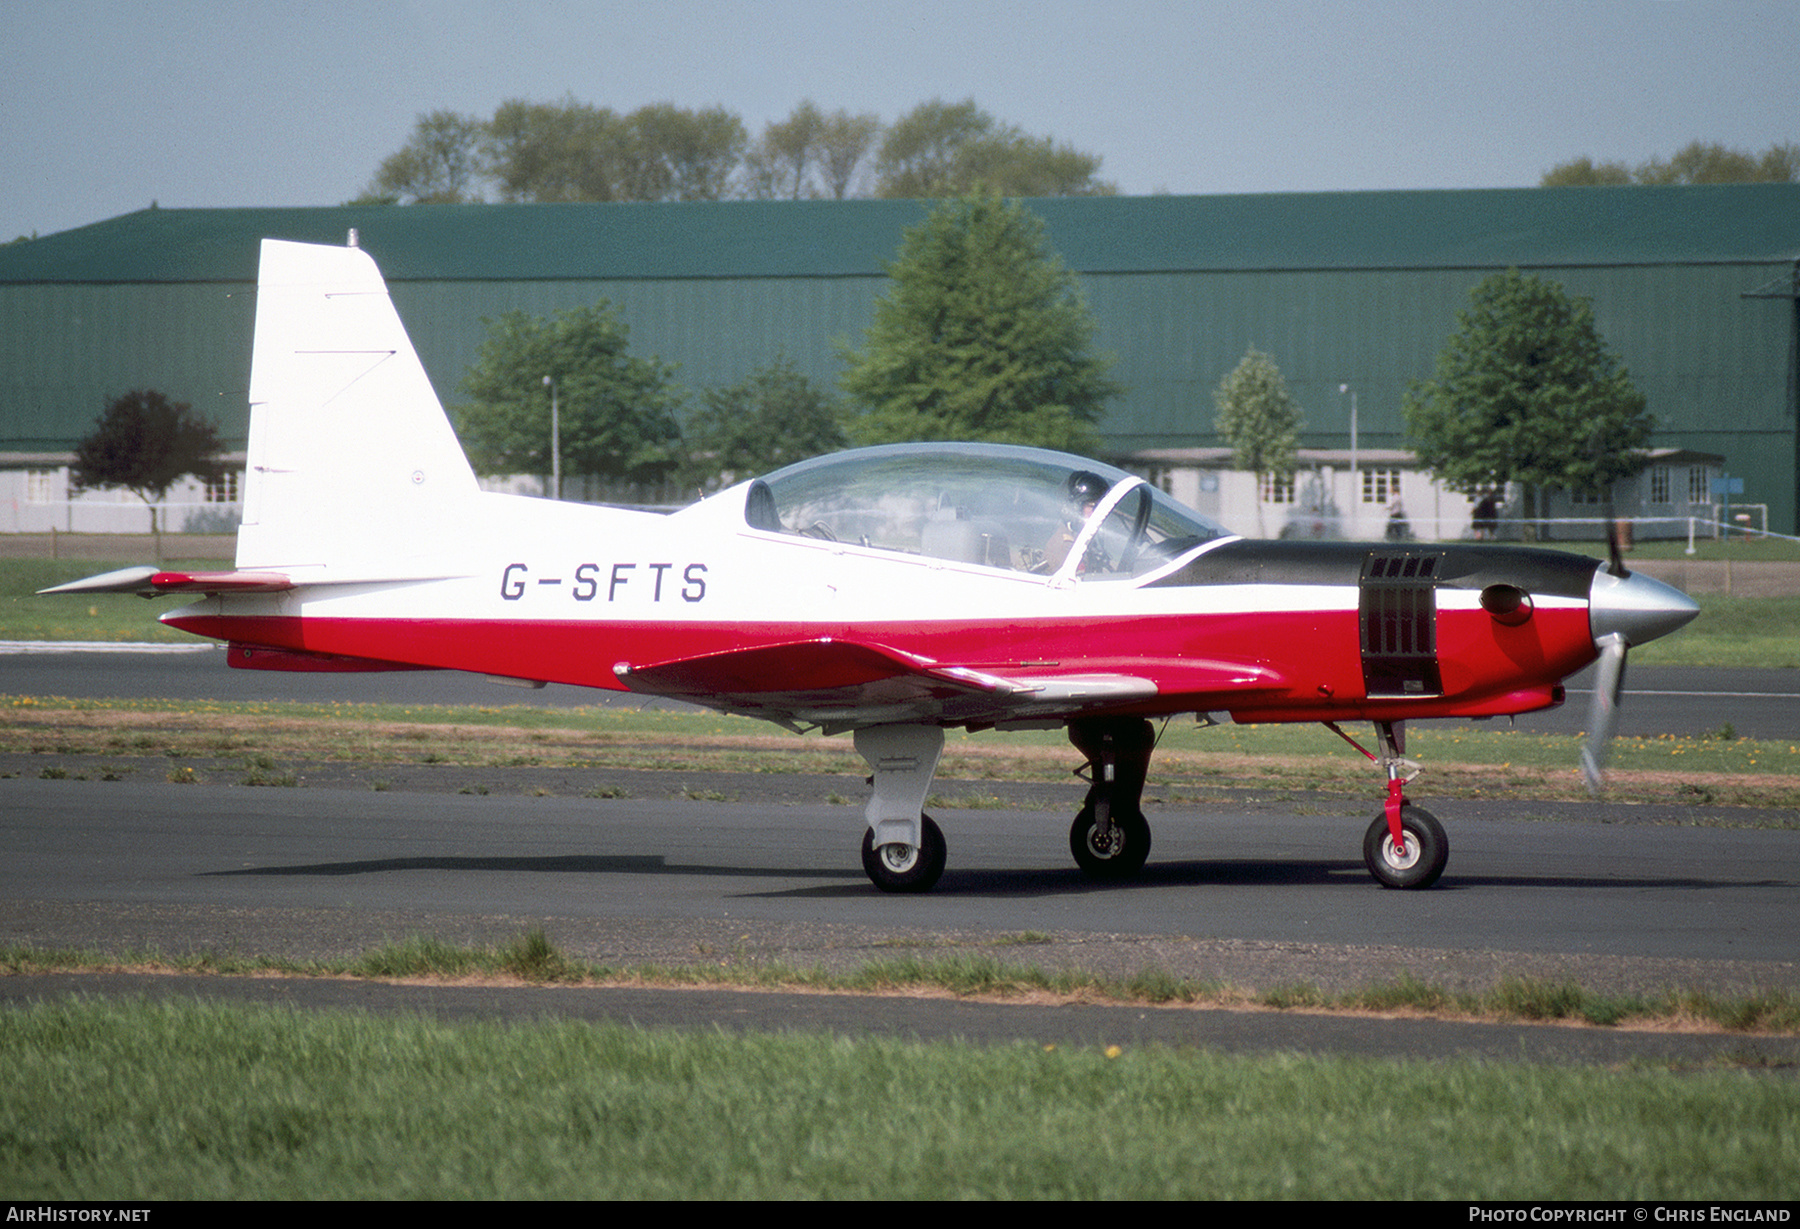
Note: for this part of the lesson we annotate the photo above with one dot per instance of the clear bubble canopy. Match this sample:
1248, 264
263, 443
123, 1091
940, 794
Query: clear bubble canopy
994, 505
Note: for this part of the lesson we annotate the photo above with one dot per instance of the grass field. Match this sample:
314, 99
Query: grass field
246, 742
1737, 549
129, 1101
26, 616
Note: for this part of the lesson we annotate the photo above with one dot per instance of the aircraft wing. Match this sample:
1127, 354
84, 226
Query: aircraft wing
839, 684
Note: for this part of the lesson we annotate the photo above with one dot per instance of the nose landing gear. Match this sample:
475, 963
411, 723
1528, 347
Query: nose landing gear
1405, 847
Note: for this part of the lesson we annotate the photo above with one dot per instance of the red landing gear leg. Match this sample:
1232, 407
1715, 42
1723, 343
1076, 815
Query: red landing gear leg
1110, 837
1394, 763
1405, 847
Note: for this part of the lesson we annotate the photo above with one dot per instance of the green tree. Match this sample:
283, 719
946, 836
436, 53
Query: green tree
1779, 164
441, 163
681, 155
982, 335
1584, 172
844, 145
941, 149
774, 418
557, 152
779, 167
1698, 162
572, 151
145, 443
1526, 390
1258, 418
809, 155
618, 413
1701, 162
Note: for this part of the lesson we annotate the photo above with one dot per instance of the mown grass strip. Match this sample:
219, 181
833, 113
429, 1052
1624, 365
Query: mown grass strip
1463, 760
533, 958
135, 1101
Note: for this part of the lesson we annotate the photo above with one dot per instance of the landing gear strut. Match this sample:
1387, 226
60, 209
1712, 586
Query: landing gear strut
903, 849
1405, 847
1110, 837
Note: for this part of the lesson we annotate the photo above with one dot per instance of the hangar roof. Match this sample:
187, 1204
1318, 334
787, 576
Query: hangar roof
1527, 227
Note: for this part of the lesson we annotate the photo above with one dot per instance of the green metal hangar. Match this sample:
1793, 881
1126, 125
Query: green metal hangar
1353, 294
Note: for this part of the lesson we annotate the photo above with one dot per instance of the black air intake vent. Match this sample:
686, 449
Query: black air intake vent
1398, 607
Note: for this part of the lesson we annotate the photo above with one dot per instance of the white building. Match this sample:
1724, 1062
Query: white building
1380, 492
36, 499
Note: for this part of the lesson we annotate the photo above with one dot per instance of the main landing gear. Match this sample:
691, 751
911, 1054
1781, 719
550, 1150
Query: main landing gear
1110, 837
1405, 847
903, 849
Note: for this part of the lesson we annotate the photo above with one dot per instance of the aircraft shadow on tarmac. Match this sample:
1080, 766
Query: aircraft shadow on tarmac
993, 883
964, 882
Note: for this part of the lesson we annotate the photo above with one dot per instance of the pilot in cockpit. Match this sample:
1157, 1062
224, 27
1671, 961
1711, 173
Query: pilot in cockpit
1082, 492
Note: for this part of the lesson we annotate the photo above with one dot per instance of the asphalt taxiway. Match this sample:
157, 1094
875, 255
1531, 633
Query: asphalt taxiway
1251, 891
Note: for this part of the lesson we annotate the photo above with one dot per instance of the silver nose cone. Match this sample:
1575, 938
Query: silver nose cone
1637, 606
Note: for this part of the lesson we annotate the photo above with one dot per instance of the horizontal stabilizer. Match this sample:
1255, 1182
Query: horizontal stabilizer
150, 582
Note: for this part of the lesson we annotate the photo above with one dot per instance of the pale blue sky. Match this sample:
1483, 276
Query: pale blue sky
105, 106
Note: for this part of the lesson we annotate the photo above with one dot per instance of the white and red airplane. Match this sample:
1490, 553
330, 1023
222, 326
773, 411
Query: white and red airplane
890, 592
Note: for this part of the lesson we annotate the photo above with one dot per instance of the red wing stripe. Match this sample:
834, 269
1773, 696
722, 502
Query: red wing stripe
220, 582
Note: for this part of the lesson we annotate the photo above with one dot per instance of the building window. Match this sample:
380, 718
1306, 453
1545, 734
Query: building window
1589, 499
1380, 485
223, 489
1276, 489
1659, 484
1699, 485
43, 486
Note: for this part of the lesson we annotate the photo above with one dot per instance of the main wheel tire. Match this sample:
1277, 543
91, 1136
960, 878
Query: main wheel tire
906, 868
1121, 856
1419, 864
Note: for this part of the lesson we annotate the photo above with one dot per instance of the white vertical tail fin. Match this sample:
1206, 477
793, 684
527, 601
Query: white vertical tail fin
353, 466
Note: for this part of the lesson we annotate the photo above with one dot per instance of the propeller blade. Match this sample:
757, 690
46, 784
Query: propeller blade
1615, 556
1603, 717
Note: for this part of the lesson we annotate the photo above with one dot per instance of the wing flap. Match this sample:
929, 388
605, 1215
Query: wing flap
823, 680
840, 683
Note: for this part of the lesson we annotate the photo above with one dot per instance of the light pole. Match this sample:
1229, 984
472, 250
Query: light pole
1355, 481
555, 442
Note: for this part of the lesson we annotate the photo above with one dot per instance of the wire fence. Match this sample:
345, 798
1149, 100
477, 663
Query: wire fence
1747, 523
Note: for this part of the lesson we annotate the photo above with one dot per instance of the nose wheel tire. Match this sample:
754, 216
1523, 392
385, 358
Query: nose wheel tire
1419, 863
906, 868
1119, 854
